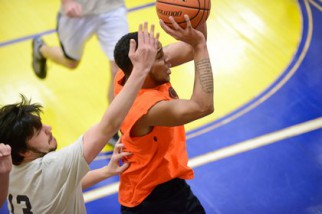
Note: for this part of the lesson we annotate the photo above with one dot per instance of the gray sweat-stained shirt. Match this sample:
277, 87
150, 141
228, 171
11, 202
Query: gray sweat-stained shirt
51, 184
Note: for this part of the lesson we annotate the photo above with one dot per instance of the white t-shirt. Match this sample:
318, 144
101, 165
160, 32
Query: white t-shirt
51, 184
94, 7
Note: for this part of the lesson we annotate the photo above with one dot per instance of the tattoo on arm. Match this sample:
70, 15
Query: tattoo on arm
203, 67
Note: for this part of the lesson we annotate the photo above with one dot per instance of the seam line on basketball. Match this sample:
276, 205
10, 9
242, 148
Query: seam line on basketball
178, 5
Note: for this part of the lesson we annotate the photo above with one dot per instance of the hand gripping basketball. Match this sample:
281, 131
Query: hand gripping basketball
197, 10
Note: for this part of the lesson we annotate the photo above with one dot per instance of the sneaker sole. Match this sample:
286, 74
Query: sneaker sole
42, 63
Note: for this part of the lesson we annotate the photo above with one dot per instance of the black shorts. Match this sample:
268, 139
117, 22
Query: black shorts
172, 197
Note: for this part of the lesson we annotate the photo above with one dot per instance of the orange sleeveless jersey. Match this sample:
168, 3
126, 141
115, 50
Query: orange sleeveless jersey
158, 156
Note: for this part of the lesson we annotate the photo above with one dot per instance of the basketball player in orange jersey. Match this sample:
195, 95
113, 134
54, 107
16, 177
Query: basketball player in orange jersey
153, 130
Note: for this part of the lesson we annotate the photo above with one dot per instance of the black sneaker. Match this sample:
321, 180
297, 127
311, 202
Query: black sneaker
113, 140
39, 64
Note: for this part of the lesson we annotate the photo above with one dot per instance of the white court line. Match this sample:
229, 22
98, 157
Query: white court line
228, 151
316, 4
101, 192
254, 143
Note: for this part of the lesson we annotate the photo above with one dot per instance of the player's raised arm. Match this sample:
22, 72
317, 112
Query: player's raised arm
178, 111
142, 59
180, 52
198, 12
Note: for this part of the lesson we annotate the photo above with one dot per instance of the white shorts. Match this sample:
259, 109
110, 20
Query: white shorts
74, 32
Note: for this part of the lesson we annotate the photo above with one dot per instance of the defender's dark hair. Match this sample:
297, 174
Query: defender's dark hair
121, 53
18, 123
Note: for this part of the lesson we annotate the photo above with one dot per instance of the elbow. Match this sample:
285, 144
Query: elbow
207, 110
211, 110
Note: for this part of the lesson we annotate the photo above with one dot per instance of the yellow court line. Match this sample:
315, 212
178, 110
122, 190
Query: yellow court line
229, 151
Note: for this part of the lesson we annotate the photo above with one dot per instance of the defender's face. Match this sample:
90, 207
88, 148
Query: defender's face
42, 141
160, 71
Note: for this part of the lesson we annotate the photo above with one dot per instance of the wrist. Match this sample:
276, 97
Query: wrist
139, 72
5, 173
106, 172
200, 46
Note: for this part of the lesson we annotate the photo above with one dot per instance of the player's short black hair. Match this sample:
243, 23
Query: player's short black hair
18, 122
121, 53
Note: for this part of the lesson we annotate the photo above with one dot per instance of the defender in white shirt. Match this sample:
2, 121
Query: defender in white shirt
45, 181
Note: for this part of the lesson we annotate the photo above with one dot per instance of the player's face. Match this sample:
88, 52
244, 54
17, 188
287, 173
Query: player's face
160, 71
42, 141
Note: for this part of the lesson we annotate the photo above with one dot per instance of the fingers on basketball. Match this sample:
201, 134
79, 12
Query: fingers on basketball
197, 10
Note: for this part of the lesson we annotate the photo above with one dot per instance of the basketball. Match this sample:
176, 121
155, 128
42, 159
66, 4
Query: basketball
197, 10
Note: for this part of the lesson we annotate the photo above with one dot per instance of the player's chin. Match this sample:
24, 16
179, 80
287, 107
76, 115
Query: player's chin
168, 78
53, 148
53, 144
